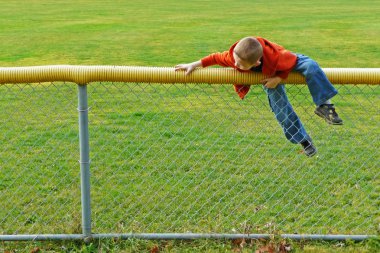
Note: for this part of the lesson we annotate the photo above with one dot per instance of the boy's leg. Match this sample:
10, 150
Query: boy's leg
320, 88
288, 119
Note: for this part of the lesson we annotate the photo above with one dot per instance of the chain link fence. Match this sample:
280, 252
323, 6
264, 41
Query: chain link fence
186, 158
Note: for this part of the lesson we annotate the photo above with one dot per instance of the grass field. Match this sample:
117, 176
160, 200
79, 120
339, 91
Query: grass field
185, 158
337, 33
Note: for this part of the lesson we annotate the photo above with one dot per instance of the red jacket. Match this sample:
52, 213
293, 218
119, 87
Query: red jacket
276, 60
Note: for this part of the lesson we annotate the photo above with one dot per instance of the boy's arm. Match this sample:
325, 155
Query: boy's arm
222, 59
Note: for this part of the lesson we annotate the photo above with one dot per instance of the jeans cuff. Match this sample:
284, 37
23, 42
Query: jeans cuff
329, 96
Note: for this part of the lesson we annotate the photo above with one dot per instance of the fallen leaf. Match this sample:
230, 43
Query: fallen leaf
238, 242
285, 247
266, 249
155, 249
35, 250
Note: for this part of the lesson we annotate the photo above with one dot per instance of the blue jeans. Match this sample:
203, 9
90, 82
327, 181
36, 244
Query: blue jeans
320, 89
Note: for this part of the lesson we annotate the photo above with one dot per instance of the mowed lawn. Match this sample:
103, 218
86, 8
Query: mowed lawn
336, 33
185, 157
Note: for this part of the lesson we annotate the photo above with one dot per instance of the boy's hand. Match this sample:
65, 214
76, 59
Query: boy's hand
271, 82
188, 67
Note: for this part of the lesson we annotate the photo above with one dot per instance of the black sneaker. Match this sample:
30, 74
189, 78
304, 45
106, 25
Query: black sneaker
308, 148
327, 112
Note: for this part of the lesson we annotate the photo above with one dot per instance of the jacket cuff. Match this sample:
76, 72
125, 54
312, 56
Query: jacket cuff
207, 61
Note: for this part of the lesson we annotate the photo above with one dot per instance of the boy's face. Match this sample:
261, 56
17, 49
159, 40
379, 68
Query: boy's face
244, 65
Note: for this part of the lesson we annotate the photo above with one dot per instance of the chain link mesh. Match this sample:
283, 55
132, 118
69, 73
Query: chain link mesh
187, 158
39, 179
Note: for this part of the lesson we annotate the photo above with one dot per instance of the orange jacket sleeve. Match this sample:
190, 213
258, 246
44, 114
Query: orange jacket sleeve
223, 59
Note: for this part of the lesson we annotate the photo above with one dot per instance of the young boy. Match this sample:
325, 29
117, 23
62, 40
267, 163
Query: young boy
275, 62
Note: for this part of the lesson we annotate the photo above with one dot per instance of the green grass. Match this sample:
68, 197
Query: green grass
336, 33
204, 245
185, 158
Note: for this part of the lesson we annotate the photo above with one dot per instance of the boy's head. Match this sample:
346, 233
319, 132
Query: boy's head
247, 53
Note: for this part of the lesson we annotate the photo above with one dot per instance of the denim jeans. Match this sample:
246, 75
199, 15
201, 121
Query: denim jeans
319, 86
320, 89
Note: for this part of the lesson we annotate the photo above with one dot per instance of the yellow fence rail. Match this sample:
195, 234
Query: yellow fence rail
86, 74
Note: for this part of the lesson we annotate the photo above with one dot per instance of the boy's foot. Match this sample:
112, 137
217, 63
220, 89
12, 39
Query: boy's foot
327, 112
308, 148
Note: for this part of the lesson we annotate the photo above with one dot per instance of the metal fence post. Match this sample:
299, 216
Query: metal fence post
84, 160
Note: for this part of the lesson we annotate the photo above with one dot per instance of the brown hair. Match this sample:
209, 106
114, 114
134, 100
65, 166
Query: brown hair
249, 49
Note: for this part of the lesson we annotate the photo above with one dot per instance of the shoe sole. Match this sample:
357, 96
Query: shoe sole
310, 155
327, 120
